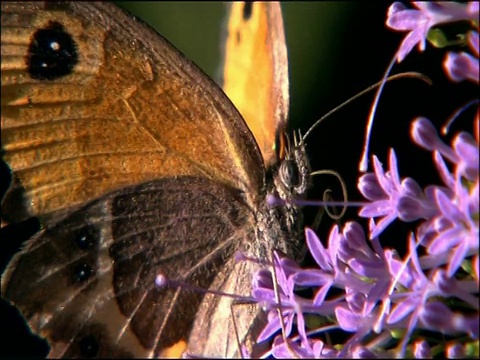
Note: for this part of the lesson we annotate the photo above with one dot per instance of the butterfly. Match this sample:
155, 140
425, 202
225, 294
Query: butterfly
138, 165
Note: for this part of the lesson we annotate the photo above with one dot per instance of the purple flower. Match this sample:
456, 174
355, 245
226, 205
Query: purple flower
454, 228
384, 190
425, 135
421, 350
409, 303
461, 289
461, 234
437, 316
464, 66
316, 349
391, 198
419, 22
265, 292
461, 66
414, 306
354, 321
280, 350
324, 277
455, 351
466, 149
361, 352
367, 273
293, 306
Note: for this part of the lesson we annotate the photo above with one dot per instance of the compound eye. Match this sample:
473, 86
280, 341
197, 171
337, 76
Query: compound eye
289, 174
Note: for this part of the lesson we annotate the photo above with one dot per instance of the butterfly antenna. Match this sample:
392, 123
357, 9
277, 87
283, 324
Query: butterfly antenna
288, 146
367, 90
301, 139
297, 138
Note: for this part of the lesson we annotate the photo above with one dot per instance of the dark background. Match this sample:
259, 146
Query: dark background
335, 51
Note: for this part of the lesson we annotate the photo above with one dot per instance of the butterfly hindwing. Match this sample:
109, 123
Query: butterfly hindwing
104, 258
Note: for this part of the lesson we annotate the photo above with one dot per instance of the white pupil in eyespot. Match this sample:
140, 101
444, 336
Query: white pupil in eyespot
55, 46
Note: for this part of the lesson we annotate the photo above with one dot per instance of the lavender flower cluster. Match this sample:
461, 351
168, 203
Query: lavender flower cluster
385, 305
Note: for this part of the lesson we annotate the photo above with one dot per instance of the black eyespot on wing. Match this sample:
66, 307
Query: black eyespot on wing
88, 346
52, 53
82, 272
93, 341
247, 10
86, 238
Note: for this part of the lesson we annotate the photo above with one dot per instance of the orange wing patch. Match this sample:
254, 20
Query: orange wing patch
255, 71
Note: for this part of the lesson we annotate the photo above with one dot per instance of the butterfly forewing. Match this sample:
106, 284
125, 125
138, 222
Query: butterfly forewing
130, 109
255, 47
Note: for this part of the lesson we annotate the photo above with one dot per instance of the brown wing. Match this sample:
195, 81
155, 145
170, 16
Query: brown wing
255, 70
123, 106
87, 283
